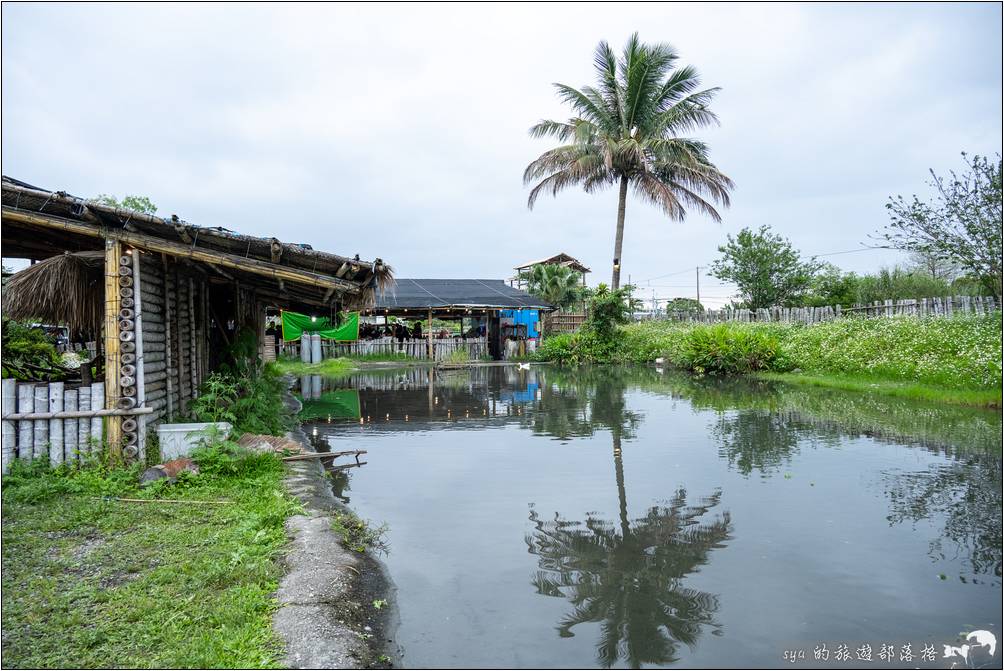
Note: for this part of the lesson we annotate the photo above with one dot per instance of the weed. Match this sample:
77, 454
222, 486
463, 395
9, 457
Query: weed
358, 535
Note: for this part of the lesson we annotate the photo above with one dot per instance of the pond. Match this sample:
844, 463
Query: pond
629, 517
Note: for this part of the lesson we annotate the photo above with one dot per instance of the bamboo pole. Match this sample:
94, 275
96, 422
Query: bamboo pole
84, 426
429, 352
155, 244
75, 412
97, 404
113, 251
56, 424
26, 434
9, 432
70, 425
179, 338
40, 439
137, 276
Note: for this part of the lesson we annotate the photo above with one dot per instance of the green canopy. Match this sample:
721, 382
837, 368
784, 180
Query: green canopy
294, 325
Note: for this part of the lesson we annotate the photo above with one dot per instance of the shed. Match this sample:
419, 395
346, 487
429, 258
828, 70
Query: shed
174, 296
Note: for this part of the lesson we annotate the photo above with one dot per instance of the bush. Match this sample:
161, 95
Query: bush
731, 349
249, 398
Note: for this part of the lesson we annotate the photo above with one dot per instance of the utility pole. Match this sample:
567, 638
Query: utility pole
698, 285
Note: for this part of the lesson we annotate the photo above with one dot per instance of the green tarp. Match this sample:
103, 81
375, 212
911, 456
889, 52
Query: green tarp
294, 325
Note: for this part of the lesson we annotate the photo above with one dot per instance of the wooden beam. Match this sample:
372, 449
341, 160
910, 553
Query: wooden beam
113, 425
155, 244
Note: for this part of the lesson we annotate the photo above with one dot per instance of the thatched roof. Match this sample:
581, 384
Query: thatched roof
53, 222
66, 289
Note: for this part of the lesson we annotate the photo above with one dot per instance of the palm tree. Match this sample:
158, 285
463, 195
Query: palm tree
627, 131
558, 285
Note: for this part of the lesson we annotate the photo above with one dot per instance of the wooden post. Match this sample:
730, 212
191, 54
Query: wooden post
40, 443
179, 336
70, 425
113, 250
167, 343
97, 403
9, 432
430, 352
140, 358
56, 425
26, 436
84, 425
192, 366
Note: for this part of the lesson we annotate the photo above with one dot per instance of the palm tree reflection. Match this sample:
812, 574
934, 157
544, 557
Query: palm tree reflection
629, 578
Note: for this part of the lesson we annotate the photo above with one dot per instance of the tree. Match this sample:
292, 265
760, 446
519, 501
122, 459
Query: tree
608, 309
684, 306
961, 225
767, 269
558, 285
627, 131
832, 286
136, 203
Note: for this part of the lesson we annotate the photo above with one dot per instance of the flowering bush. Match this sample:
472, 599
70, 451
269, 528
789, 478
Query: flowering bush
961, 352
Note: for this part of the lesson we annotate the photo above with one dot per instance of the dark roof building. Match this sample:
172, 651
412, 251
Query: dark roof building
451, 294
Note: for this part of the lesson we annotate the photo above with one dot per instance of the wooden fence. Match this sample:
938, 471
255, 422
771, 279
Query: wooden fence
562, 322
416, 348
919, 307
58, 421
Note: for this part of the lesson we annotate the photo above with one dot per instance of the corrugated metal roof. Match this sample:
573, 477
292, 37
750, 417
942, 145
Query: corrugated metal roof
443, 293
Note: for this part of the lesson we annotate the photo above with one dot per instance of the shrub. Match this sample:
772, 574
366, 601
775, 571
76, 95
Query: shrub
730, 349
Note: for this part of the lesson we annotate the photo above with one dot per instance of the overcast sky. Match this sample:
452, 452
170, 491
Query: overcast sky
401, 131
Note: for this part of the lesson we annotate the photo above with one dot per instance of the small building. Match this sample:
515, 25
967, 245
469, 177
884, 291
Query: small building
559, 259
491, 314
164, 299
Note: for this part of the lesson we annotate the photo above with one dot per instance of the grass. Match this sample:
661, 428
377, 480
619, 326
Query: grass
357, 534
328, 367
954, 360
990, 398
94, 582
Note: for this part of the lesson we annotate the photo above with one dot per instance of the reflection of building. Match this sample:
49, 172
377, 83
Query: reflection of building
418, 397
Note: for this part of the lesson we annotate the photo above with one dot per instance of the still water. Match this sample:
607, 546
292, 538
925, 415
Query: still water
612, 517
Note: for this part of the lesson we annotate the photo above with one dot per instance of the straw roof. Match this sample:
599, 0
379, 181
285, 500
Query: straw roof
66, 289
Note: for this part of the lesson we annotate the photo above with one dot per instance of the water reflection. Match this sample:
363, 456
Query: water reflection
629, 578
964, 494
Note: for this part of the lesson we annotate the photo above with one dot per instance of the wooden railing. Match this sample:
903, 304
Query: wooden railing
414, 348
562, 322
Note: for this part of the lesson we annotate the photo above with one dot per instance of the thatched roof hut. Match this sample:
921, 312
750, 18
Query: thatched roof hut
65, 289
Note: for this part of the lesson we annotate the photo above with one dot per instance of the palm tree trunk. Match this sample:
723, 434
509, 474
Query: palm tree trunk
619, 239
621, 489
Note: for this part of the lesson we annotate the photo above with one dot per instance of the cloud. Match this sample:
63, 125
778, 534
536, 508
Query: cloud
399, 131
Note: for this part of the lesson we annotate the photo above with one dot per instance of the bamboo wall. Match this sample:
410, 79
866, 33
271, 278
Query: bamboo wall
175, 333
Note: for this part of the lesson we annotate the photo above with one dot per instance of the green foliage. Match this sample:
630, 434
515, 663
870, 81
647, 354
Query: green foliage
963, 352
92, 582
136, 203
249, 398
23, 345
608, 309
961, 225
765, 267
832, 286
558, 285
328, 367
684, 306
730, 349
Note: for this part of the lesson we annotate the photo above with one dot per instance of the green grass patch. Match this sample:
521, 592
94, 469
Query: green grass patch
93, 582
327, 368
990, 398
358, 534
962, 353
